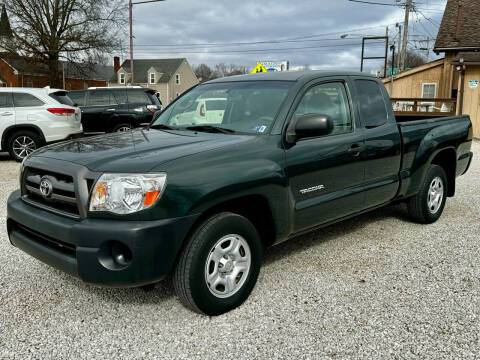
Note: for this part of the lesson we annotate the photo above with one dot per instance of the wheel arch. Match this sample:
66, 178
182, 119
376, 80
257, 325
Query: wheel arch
255, 207
447, 160
117, 119
14, 128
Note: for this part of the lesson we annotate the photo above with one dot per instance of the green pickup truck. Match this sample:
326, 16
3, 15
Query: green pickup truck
286, 153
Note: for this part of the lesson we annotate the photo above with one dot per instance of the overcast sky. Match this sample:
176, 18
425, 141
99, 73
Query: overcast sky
304, 32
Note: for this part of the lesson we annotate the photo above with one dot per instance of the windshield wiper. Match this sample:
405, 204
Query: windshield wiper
162, 127
210, 129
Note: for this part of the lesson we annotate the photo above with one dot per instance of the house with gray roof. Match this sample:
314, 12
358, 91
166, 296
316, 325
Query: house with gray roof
170, 77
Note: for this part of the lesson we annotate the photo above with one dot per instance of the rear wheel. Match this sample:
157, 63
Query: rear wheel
122, 127
23, 143
427, 206
219, 266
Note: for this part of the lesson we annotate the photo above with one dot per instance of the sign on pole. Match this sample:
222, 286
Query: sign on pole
259, 68
276, 65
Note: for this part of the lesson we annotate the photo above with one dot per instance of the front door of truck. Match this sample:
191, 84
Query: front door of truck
326, 172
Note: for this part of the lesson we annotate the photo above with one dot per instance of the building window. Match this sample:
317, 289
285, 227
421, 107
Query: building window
121, 78
178, 94
177, 79
152, 78
429, 90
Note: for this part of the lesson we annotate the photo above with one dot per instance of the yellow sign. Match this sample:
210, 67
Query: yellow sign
259, 68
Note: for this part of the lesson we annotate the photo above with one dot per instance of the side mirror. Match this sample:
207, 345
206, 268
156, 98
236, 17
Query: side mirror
309, 125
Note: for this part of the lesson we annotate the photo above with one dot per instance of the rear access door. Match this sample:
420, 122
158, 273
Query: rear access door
101, 106
326, 172
382, 156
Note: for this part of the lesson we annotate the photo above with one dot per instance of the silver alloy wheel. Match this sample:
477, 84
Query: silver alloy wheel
23, 146
435, 195
227, 266
123, 129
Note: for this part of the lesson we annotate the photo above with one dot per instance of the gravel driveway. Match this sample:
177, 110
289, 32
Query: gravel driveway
376, 286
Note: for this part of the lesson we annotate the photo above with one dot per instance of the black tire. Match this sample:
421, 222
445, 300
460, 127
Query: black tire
418, 206
23, 136
189, 277
119, 127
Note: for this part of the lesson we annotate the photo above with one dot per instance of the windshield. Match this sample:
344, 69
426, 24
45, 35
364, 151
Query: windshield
247, 107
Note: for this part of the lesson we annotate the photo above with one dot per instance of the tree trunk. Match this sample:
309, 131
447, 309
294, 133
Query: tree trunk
55, 80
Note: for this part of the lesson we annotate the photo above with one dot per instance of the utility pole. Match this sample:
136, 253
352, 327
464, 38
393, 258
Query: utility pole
392, 47
130, 20
386, 54
399, 45
408, 7
130, 17
428, 49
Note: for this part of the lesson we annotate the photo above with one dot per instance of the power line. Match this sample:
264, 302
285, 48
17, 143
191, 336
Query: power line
324, 47
428, 19
374, 3
234, 44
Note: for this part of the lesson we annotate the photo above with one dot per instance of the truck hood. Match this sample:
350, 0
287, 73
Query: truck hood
136, 151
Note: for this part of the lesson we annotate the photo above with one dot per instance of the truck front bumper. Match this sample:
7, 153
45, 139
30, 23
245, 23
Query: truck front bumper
105, 252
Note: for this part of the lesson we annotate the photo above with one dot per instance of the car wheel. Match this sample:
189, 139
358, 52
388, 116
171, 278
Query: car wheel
122, 128
23, 143
427, 206
219, 266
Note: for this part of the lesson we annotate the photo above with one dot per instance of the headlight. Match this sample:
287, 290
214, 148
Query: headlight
127, 193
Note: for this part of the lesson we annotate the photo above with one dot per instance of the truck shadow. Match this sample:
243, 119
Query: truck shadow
333, 232
164, 289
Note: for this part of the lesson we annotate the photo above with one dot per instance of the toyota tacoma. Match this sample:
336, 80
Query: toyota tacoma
202, 191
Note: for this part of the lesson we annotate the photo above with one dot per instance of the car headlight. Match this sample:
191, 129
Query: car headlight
127, 193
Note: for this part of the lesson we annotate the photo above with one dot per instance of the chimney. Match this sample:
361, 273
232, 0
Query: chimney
116, 63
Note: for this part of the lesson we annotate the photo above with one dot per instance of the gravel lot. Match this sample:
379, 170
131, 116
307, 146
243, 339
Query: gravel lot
376, 286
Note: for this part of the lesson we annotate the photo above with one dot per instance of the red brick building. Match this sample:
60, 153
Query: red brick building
16, 71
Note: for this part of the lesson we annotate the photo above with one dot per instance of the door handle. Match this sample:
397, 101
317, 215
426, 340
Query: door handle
356, 149
6, 113
110, 110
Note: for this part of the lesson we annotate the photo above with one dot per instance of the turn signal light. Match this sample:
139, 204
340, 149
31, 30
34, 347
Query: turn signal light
151, 197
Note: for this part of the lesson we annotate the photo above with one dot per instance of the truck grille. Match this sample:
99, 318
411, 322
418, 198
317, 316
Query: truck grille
62, 198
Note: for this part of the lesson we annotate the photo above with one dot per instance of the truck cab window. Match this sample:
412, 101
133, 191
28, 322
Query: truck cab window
328, 99
371, 103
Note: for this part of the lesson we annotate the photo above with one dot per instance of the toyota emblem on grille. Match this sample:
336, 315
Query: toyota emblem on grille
46, 187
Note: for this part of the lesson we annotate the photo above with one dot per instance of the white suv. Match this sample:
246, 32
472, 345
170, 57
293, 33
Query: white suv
31, 118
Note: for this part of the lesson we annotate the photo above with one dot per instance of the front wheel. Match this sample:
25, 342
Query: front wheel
427, 206
22, 143
219, 266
